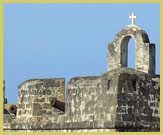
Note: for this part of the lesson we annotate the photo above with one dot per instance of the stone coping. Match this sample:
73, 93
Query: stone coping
81, 125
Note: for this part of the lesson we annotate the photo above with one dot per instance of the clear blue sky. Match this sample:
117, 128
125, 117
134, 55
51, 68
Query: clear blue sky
67, 40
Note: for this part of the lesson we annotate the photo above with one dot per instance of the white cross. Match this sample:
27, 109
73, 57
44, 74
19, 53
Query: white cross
132, 17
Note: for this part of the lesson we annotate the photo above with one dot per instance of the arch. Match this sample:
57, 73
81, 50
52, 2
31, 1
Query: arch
131, 54
144, 51
124, 51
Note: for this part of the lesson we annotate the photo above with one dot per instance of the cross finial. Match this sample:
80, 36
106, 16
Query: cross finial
132, 17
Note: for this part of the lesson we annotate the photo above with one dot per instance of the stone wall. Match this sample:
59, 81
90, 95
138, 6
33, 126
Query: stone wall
138, 101
91, 99
82, 100
34, 98
120, 100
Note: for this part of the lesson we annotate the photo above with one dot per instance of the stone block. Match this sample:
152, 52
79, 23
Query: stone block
128, 117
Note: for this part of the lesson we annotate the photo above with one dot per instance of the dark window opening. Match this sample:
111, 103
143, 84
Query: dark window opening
108, 84
134, 85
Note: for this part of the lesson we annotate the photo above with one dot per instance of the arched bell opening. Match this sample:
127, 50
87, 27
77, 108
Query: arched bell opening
119, 52
128, 52
131, 53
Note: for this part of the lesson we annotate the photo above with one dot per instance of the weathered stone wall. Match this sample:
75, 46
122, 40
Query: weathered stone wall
122, 99
65, 130
88, 130
34, 98
88, 99
138, 100
82, 100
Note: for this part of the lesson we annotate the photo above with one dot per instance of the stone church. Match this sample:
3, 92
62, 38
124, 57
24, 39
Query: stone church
120, 100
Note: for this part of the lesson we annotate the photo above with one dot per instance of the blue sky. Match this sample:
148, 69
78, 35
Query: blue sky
67, 40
